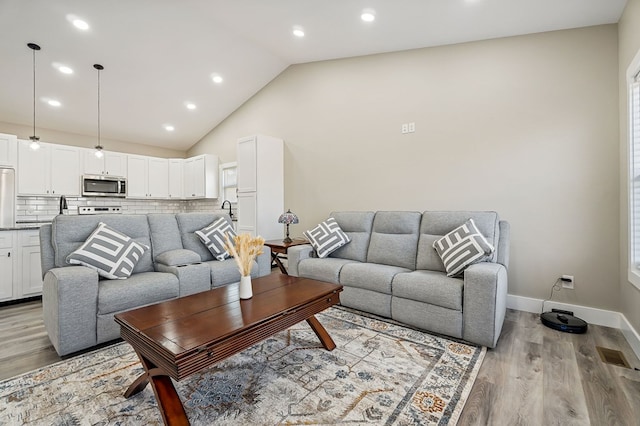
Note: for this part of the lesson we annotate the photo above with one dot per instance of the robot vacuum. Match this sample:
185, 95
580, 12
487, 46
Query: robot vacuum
564, 321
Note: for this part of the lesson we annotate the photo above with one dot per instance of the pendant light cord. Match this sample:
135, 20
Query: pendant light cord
34, 47
99, 144
34, 93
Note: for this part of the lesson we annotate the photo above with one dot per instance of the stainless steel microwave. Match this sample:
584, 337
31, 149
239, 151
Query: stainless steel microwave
104, 186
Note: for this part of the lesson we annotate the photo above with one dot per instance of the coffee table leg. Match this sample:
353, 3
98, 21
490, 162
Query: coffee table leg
321, 332
278, 262
168, 400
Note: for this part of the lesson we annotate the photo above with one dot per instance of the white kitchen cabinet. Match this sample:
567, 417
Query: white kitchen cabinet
201, 176
111, 163
260, 178
158, 183
247, 219
147, 177
176, 178
65, 170
8, 150
30, 278
51, 170
7, 265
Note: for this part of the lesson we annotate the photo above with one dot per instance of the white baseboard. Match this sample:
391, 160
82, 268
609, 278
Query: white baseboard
591, 315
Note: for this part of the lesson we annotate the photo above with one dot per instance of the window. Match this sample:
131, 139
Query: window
633, 79
229, 181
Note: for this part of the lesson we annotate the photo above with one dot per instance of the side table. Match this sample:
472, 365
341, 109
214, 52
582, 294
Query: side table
279, 251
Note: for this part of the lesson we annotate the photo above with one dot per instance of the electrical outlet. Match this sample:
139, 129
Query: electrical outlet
405, 128
412, 127
567, 282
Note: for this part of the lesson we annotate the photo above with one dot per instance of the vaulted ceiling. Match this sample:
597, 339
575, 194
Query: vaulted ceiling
160, 55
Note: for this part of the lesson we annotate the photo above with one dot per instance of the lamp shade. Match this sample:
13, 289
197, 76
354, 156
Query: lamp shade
288, 217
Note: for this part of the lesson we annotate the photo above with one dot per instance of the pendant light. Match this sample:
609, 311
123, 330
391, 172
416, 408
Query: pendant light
98, 153
35, 141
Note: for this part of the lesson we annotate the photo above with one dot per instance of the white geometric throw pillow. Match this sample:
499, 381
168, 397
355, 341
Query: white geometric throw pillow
111, 253
462, 247
327, 237
212, 236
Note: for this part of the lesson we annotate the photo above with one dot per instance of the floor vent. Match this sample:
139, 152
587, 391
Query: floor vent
611, 356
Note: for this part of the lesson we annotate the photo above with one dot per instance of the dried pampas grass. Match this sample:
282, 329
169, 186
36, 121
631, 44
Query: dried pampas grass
244, 250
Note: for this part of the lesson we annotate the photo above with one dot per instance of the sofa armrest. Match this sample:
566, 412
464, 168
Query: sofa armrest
177, 257
264, 262
484, 303
70, 307
294, 255
47, 256
192, 278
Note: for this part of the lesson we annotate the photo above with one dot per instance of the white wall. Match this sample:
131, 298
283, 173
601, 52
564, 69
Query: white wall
63, 138
629, 35
526, 126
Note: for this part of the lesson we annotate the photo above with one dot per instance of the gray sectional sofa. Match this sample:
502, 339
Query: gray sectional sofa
391, 269
78, 305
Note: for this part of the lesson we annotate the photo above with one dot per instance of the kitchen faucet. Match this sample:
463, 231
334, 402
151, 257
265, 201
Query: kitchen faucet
222, 207
63, 204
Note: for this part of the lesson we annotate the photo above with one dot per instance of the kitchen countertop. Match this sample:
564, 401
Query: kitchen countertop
25, 226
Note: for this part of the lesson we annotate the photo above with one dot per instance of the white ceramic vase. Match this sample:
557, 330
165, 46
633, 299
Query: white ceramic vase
246, 292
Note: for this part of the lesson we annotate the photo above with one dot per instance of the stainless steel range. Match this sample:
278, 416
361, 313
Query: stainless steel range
99, 210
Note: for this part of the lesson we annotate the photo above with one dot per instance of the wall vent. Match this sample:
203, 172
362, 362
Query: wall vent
612, 356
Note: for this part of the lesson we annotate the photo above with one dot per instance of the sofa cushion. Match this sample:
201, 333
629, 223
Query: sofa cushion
394, 239
177, 257
434, 288
165, 235
213, 236
462, 247
357, 226
370, 276
137, 290
188, 224
112, 254
326, 237
71, 231
327, 269
227, 272
436, 224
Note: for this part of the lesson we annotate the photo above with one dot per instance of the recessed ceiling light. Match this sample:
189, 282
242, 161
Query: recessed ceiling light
298, 31
62, 68
190, 105
217, 78
77, 22
80, 24
368, 15
169, 128
54, 103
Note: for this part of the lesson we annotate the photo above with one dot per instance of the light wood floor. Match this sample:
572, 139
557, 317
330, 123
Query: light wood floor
535, 376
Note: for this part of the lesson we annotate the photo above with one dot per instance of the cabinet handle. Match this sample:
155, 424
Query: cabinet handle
9, 254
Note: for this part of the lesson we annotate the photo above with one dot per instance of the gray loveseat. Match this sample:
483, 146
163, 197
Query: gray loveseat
391, 269
78, 305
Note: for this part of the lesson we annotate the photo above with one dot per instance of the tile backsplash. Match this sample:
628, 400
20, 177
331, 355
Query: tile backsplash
44, 209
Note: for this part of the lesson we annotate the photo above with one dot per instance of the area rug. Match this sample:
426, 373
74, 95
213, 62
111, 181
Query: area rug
380, 373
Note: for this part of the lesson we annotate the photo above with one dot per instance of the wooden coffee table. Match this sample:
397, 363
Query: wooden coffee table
180, 337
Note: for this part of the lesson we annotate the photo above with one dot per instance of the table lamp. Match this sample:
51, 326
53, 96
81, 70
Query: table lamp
288, 218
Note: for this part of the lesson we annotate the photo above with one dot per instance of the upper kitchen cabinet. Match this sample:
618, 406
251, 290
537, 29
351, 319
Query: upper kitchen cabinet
201, 176
51, 170
8, 150
147, 177
111, 163
176, 178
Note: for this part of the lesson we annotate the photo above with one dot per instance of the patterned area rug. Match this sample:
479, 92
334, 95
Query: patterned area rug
380, 373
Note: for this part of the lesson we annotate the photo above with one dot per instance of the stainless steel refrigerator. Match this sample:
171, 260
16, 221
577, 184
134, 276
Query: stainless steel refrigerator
7, 198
